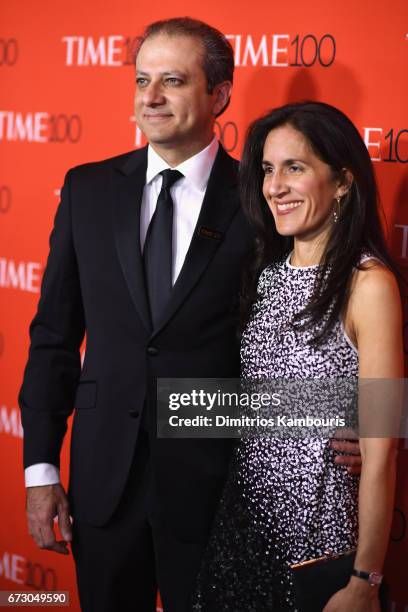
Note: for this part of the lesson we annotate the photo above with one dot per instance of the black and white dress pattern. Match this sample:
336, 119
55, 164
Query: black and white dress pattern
285, 500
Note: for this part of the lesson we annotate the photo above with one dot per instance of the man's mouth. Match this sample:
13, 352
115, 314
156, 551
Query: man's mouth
154, 116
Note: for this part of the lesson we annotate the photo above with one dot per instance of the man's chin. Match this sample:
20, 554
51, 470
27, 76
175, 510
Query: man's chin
158, 133
163, 140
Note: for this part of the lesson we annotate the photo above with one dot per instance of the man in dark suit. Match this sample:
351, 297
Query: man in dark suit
147, 262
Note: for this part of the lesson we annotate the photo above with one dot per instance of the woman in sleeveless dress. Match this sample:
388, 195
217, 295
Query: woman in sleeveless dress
319, 302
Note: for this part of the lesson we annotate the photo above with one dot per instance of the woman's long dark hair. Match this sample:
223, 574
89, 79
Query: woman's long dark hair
334, 140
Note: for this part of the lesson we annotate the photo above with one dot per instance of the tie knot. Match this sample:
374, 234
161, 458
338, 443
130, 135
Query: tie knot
170, 177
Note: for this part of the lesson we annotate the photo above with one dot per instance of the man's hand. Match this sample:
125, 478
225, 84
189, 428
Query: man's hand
43, 504
352, 458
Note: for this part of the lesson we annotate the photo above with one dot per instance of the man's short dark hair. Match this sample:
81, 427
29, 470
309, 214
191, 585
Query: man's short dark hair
218, 59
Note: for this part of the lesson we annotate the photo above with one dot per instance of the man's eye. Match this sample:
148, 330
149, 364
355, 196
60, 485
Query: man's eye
141, 82
295, 168
173, 81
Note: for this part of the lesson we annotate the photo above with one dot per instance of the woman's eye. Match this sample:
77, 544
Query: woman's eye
295, 168
267, 170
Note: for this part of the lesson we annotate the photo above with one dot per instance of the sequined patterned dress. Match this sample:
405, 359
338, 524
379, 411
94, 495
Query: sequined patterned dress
285, 500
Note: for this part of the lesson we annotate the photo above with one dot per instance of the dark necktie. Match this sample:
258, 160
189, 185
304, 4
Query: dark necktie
157, 252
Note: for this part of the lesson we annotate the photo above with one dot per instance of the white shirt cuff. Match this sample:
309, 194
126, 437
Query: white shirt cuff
41, 474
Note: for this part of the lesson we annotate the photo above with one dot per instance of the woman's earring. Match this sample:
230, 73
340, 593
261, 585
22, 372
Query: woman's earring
337, 209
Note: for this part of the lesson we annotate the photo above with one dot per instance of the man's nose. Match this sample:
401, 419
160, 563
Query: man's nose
153, 94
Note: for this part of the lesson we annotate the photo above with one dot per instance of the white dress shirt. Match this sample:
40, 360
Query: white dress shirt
187, 195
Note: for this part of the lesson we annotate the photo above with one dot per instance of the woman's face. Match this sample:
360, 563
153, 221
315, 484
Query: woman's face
298, 187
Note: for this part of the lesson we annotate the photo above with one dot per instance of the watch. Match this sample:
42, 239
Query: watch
373, 578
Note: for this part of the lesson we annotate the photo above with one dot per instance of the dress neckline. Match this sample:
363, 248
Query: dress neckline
289, 265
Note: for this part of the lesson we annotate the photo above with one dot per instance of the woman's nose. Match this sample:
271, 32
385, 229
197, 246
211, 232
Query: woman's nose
275, 184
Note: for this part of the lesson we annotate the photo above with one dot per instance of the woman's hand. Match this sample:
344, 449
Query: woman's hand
357, 596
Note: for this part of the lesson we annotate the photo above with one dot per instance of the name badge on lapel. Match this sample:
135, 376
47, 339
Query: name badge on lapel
205, 232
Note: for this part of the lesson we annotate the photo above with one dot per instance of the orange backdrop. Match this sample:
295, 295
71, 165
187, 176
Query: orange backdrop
67, 85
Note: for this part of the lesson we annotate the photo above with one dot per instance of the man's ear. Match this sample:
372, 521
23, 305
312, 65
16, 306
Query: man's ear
222, 93
344, 183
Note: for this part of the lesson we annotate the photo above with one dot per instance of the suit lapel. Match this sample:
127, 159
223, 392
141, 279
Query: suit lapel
219, 207
130, 178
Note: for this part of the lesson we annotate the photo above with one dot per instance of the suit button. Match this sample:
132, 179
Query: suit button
152, 351
134, 413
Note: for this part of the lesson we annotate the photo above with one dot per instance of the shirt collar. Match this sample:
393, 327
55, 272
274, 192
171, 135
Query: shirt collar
196, 169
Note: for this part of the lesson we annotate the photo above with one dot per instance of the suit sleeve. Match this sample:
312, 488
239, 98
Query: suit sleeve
52, 372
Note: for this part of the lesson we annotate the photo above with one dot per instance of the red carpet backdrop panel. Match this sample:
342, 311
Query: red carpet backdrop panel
67, 87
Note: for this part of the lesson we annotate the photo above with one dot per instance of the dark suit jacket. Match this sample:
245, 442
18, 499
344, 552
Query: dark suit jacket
94, 283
